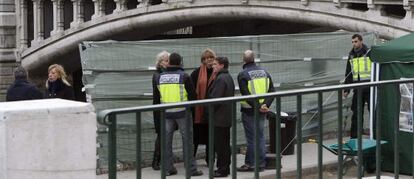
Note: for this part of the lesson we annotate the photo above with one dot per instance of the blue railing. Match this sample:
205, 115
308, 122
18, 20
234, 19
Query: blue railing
109, 118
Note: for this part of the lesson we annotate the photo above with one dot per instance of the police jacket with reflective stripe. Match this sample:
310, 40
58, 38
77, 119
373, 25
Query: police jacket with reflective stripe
354, 54
188, 92
250, 73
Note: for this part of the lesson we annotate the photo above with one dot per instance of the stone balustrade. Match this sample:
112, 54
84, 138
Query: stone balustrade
99, 11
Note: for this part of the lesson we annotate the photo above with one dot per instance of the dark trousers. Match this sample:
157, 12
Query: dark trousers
200, 132
157, 148
354, 108
222, 149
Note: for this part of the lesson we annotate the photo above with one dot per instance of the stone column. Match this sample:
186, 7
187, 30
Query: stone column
120, 5
141, 3
337, 3
408, 9
77, 13
24, 41
99, 8
58, 19
38, 23
7, 45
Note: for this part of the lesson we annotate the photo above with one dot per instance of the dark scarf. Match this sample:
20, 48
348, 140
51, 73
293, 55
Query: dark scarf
55, 86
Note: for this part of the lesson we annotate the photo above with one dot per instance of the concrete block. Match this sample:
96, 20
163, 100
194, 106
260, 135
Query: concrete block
47, 139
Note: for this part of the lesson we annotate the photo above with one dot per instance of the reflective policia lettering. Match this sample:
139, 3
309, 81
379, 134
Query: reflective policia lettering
170, 78
255, 74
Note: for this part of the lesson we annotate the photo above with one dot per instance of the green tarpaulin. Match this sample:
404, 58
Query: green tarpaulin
396, 59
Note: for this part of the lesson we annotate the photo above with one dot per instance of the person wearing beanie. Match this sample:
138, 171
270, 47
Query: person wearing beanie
21, 89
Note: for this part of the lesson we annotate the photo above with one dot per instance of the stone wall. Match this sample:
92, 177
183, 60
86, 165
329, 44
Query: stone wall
7, 44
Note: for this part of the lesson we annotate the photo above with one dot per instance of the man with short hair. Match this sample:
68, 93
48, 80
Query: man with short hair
173, 86
21, 89
358, 69
254, 80
222, 86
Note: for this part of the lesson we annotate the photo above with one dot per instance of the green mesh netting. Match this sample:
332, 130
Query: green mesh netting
119, 74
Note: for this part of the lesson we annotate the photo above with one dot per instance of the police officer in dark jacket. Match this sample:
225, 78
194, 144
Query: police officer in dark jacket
254, 80
21, 89
222, 86
358, 69
173, 86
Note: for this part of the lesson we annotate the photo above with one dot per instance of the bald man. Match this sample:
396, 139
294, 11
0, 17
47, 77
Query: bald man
260, 82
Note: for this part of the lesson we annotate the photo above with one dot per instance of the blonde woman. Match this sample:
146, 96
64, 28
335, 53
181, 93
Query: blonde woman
201, 78
57, 85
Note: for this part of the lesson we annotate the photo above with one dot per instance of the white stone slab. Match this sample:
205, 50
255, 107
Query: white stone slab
47, 139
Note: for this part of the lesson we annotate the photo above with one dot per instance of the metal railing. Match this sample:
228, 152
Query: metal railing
109, 118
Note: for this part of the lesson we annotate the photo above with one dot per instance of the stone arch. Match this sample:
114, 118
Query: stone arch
167, 18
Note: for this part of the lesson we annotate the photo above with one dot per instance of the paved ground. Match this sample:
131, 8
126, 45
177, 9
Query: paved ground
309, 165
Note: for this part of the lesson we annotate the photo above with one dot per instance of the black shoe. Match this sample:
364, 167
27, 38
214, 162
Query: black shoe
171, 172
261, 169
197, 173
218, 174
155, 164
245, 168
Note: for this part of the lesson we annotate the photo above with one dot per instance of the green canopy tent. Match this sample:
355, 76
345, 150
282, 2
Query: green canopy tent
395, 60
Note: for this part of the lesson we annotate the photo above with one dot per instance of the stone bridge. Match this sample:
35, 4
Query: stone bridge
49, 31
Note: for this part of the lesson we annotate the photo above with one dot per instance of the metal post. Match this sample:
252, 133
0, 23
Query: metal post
163, 137
277, 136
138, 141
359, 128
187, 148
256, 140
340, 157
299, 136
112, 146
320, 112
234, 141
378, 137
210, 142
412, 138
396, 130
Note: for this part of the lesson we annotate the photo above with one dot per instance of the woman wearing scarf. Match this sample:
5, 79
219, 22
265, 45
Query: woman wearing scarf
57, 85
202, 77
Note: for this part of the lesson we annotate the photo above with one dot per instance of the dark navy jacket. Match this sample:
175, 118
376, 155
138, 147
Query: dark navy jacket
243, 79
23, 90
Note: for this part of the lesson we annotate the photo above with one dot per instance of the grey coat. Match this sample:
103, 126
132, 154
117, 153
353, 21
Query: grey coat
222, 86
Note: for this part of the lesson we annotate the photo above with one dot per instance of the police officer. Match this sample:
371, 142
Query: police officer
254, 80
173, 86
358, 69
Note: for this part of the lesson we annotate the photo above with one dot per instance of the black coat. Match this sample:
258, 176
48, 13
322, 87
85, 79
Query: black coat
222, 86
22, 90
194, 78
156, 100
58, 89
